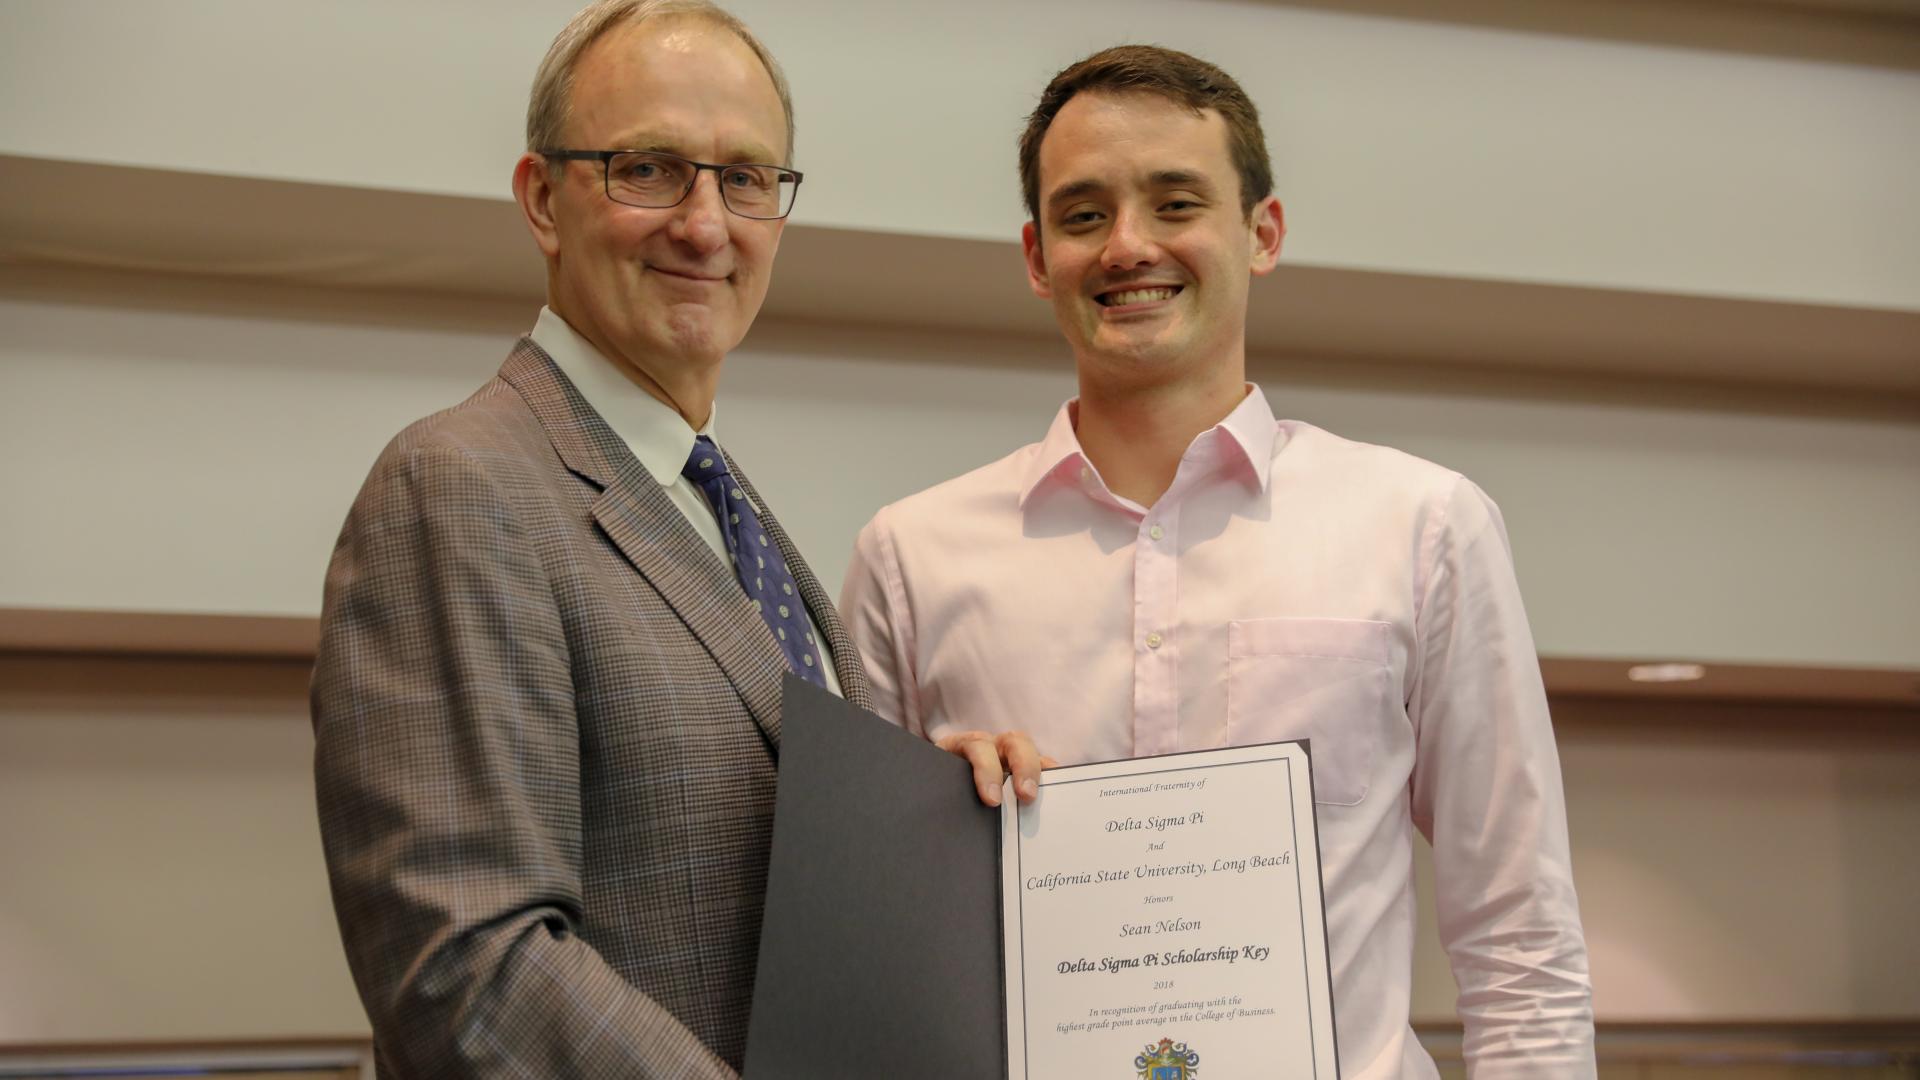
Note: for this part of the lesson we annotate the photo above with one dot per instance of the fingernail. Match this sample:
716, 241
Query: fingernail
1029, 788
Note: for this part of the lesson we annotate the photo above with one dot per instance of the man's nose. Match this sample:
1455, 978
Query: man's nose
1129, 243
702, 219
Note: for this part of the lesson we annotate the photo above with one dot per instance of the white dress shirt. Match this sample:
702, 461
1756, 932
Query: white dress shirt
1288, 584
657, 434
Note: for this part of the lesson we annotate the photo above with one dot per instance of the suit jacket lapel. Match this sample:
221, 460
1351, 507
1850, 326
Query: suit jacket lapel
655, 537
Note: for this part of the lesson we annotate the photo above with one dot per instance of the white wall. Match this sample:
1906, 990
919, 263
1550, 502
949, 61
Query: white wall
192, 446
162, 875
1399, 145
1735, 863
182, 445
197, 453
163, 878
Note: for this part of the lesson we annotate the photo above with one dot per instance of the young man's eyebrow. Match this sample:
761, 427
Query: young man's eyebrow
1160, 178
1179, 178
1069, 192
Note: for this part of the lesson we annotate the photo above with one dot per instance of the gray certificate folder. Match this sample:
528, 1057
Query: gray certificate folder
880, 950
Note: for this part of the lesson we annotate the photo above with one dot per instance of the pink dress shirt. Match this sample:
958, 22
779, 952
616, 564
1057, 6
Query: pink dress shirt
1289, 584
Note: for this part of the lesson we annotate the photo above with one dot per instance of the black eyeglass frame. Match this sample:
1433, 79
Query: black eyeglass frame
605, 158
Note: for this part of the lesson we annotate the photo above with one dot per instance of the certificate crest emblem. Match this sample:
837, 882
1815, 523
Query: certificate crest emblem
1168, 1061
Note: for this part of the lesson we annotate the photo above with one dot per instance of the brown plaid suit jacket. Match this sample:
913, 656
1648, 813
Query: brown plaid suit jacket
546, 721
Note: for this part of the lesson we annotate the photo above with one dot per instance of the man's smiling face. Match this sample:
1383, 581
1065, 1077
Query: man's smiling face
1141, 243
679, 285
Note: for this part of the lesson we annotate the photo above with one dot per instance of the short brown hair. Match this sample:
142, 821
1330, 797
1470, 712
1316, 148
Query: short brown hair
551, 102
1176, 76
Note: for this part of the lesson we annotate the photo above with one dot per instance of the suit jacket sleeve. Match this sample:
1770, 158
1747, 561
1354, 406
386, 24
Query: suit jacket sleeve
447, 773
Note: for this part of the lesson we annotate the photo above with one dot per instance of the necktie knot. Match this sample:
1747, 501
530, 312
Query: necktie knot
705, 463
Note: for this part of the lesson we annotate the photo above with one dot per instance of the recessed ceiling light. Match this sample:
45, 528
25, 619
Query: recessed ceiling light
1666, 672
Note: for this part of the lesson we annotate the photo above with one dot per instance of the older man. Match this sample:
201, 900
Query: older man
1171, 568
547, 699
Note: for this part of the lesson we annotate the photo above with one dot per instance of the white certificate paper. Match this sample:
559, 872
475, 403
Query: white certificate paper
1164, 915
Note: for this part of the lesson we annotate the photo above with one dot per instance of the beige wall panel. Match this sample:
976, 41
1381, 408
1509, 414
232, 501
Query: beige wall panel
162, 862
198, 451
1402, 145
164, 877
1735, 863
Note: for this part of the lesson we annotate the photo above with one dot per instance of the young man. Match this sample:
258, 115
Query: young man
1172, 568
547, 699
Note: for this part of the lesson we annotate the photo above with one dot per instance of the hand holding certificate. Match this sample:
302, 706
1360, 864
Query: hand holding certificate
1168, 908
1157, 918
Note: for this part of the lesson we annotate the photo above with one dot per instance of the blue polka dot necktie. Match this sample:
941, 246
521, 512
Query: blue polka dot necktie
756, 561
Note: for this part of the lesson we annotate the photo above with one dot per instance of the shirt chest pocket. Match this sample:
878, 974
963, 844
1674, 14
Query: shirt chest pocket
1328, 680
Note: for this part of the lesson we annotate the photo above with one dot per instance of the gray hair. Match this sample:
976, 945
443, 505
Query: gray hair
551, 103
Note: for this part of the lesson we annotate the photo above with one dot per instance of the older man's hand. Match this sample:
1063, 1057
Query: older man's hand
994, 756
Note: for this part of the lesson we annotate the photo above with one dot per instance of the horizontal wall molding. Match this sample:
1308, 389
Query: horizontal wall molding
63, 632
150, 635
1725, 1042
1588, 677
1752, 1043
1885, 32
61, 214
251, 1057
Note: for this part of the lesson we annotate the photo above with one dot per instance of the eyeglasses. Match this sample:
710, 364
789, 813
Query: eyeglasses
658, 181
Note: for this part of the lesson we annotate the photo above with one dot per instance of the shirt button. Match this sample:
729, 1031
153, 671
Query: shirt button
1156, 532
1085, 474
1154, 639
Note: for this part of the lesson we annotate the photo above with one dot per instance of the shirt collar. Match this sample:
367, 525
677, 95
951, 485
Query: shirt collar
1249, 434
658, 435
1059, 452
1253, 430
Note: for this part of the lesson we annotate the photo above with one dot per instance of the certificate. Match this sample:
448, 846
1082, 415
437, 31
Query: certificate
1166, 912
1156, 918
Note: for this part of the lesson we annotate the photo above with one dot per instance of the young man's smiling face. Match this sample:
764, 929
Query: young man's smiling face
1141, 243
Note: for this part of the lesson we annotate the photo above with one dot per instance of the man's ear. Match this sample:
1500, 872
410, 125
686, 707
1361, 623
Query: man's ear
1268, 226
534, 190
1036, 261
